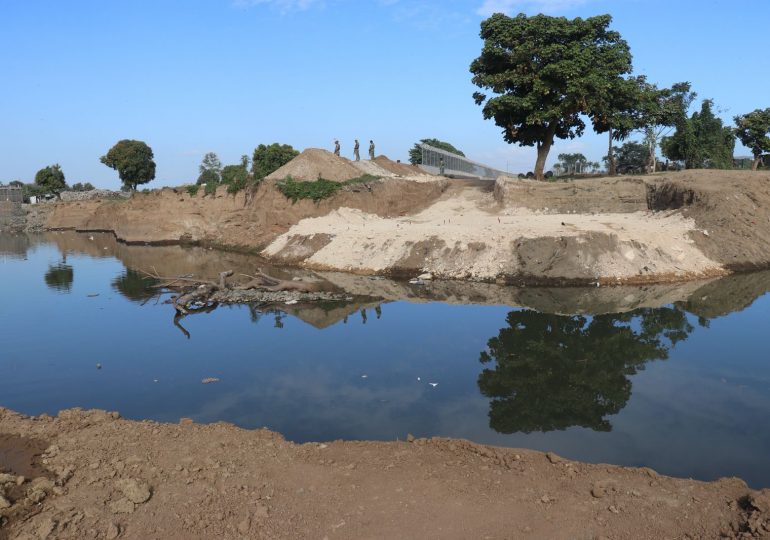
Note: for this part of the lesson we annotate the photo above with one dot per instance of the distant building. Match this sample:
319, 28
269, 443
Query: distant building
12, 194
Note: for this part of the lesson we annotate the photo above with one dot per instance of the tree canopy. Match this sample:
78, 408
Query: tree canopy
82, 187
133, 160
415, 154
210, 169
544, 72
59, 277
701, 141
660, 110
619, 114
632, 157
557, 371
753, 130
51, 179
571, 163
269, 158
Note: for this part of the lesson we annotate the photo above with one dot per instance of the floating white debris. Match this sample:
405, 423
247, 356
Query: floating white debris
364, 376
291, 302
433, 384
209, 380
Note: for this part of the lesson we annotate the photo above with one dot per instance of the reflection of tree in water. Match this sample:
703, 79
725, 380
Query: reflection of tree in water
59, 277
556, 371
135, 286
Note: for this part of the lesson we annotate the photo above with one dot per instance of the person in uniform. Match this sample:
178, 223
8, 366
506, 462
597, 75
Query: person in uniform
336, 147
371, 150
441, 166
355, 151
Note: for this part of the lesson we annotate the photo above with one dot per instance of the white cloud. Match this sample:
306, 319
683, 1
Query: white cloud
284, 6
545, 6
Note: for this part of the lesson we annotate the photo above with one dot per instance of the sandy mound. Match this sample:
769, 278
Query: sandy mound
314, 163
370, 167
401, 169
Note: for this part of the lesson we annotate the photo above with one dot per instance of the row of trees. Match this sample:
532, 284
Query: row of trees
544, 76
265, 160
135, 164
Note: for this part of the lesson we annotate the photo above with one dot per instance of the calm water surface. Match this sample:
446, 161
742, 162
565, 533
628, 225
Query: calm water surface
682, 386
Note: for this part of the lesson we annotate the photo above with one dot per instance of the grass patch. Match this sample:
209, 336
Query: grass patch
318, 190
193, 190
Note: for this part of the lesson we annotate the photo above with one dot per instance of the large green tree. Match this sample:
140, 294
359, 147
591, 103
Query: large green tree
544, 72
415, 154
572, 163
546, 372
269, 158
660, 111
753, 130
133, 160
701, 141
619, 114
51, 179
210, 169
632, 157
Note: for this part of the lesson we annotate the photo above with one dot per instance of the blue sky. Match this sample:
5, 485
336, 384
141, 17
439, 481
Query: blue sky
191, 76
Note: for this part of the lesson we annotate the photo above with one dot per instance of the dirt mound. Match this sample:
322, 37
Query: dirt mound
731, 209
401, 169
371, 168
315, 163
246, 220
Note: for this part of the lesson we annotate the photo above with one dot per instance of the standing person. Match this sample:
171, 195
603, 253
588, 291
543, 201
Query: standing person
355, 151
336, 147
441, 166
371, 150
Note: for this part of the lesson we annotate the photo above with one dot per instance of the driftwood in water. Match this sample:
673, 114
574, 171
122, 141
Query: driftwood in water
196, 294
269, 283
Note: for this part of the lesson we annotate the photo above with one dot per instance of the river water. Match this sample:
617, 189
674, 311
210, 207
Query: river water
676, 378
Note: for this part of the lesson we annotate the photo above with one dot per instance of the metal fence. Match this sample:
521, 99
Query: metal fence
438, 161
11, 194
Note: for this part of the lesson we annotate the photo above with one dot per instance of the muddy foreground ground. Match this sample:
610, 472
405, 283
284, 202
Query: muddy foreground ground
98, 476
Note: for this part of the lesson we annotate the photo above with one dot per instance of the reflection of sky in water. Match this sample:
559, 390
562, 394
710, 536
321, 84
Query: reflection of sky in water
701, 413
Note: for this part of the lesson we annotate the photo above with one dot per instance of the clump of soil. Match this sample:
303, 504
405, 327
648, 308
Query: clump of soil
315, 163
135, 480
401, 169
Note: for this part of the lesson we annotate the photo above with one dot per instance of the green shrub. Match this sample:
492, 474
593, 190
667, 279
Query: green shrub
193, 190
211, 188
318, 190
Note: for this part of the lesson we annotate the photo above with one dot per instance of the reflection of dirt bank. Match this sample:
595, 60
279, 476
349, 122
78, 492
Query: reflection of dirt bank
704, 298
185, 481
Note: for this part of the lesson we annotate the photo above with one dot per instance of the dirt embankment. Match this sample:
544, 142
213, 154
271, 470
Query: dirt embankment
658, 228
111, 478
246, 220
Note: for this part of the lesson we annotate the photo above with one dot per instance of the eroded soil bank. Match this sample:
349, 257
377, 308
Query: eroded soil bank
657, 228
112, 478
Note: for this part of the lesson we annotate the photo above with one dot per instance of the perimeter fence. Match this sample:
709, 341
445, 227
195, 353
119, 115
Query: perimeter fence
438, 161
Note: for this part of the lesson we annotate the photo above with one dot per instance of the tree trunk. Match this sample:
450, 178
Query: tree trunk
612, 170
652, 160
542, 151
755, 165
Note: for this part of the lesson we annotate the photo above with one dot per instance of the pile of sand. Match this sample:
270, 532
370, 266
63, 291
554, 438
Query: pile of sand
315, 163
371, 168
401, 169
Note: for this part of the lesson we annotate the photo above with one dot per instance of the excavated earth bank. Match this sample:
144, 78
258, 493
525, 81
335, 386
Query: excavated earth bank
105, 477
657, 228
